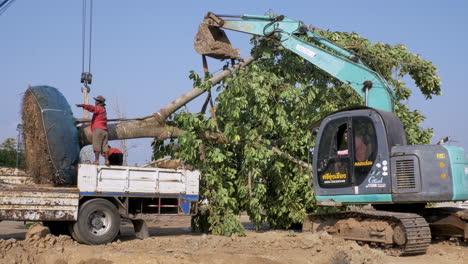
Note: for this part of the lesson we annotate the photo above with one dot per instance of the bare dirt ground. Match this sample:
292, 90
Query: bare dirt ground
172, 242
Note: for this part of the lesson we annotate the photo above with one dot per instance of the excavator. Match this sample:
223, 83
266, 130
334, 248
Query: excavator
361, 155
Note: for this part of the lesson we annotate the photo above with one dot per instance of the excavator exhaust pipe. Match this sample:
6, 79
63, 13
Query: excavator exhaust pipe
212, 41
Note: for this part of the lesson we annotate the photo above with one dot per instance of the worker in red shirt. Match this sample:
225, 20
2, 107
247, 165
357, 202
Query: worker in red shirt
115, 156
99, 128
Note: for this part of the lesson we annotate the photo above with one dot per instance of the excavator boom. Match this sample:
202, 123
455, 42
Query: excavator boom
326, 55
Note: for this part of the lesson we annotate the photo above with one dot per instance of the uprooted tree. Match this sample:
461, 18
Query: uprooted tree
253, 147
263, 117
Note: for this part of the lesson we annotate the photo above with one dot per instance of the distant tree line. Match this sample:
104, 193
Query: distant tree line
8, 151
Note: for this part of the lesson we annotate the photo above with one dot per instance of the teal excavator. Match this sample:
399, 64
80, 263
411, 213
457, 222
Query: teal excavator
361, 155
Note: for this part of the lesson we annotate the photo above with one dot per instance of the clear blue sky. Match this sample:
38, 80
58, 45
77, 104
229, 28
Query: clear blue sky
143, 51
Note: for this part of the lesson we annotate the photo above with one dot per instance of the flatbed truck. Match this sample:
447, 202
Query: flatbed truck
91, 211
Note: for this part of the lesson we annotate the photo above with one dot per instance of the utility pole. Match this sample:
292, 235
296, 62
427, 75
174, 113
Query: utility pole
19, 128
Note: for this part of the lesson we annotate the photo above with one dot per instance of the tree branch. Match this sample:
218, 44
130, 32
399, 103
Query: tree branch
154, 125
175, 105
291, 158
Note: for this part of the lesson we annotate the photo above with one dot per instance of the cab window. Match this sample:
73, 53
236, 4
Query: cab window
364, 147
347, 151
334, 160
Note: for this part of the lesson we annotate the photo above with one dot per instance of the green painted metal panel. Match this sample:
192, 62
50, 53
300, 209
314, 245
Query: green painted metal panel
344, 70
459, 165
338, 62
358, 198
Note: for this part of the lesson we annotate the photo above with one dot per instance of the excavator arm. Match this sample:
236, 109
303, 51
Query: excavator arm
338, 62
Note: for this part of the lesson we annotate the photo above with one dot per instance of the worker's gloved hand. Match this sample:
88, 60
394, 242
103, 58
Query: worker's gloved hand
79, 105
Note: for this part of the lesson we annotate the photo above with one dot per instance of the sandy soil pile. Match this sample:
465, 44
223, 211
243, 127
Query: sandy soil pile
38, 160
171, 243
270, 247
31, 250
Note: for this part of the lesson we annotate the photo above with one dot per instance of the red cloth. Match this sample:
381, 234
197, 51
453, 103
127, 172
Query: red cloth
114, 150
99, 116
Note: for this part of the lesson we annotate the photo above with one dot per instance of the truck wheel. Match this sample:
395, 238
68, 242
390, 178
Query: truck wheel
98, 222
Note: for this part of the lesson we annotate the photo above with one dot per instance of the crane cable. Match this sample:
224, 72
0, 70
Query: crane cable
86, 76
84, 33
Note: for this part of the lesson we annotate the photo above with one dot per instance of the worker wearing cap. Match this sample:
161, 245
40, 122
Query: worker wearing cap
99, 128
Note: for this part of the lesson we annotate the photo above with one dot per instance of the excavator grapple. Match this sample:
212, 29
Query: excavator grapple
213, 42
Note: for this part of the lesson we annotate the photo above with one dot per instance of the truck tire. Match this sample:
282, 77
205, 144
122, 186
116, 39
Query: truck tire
98, 222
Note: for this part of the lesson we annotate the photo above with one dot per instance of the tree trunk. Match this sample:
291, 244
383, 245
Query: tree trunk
154, 125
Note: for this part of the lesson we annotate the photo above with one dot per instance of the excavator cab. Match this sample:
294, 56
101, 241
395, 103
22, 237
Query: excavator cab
352, 159
362, 158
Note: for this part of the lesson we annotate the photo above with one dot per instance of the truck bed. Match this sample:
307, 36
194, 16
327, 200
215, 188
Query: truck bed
136, 181
22, 200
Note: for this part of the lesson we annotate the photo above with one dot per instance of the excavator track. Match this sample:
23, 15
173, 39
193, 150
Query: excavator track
404, 233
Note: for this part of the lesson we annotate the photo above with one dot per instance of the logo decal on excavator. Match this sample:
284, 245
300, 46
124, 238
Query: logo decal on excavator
363, 163
305, 50
334, 178
374, 182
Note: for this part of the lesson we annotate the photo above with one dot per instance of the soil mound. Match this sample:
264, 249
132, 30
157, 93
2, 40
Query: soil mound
38, 244
170, 246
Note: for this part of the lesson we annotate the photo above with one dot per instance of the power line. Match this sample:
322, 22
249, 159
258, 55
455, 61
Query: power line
4, 5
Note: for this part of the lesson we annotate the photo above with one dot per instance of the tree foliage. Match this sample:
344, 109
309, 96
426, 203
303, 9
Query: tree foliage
272, 103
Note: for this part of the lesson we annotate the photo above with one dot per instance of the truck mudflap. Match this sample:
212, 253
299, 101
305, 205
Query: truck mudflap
404, 233
38, 203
